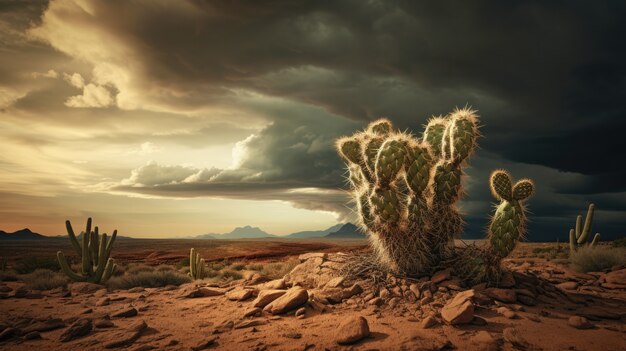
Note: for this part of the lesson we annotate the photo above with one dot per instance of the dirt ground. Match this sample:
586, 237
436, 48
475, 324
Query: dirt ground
550, 300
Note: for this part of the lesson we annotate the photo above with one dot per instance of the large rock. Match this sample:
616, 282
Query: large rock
292, 299
47, 325
265, 297
579, 322
194, 292
615, 279
352, 330
239, 294
460, 309
503, 295
273, 285
79, 328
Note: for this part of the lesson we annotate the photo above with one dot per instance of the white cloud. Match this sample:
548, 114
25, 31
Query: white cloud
50, 74
76, 80
93, 96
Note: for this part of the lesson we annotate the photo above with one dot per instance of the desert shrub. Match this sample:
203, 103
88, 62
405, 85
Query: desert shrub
597, 259
183, 263
275, 270
238, 266
619, 242
136, 268
164, 267
255, 267
230, 274
30, 264
152, 279
8, 276
119, 271
44, 279
184, 270
550, 252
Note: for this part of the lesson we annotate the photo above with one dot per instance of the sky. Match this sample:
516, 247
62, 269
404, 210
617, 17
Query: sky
174, 118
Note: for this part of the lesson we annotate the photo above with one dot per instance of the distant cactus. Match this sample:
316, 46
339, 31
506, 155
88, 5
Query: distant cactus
94, 251
406, 190
578, 237
196, 265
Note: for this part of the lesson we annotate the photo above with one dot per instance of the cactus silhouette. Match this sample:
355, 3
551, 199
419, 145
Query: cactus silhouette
578, 237
406, 190
94, 251
196, 265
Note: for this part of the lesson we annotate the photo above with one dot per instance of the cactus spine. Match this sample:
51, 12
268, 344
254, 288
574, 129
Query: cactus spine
196, 265
96, 264
578, 236
406, 190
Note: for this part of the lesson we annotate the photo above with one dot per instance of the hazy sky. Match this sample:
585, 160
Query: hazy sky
170, 118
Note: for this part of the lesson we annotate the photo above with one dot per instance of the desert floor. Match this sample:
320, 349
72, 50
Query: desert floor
544, 306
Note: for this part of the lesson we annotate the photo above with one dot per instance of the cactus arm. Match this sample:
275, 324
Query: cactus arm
572, 240
579, 225
97, 278
108, 271
94, 246
72, 236
587, 228
110, 244
65, 267
595, 240
192, 263
201, 269
86, 259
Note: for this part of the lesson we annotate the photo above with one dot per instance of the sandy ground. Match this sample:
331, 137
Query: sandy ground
175, 322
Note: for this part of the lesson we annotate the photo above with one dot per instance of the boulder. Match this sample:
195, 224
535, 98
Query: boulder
579, 322
203, 291
265, 297
440, 276
352, 330
239, 294
460, 309
273, 285
292, 299
428, 322
503, 295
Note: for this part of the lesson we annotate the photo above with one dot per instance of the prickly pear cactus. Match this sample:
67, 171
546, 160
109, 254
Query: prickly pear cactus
94, 251
578, 237
406, 190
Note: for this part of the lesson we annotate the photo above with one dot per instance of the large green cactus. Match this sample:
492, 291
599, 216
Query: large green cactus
96, 266
196, 265
578, 237
406, 190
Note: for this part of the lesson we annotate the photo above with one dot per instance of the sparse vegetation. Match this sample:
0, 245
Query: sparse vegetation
619, 242
275, 270
550, 252
8, 276
44, 279
152, 279
597, 258
136, 268
32, 263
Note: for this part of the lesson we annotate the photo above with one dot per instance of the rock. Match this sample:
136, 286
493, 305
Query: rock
335, 282
273, 284
5, 289
206, 343
136, 289
195, 292
377, 301
105, 301
615, 279
568, 286
355, 289
483, 341
239, 294
249, 324
317, 306
440, 276
21, 292
9, 333
306, 256
34, 335
254, 311
512, 336
507, 280
127, 337
301, 312
507, 312
267, 296
292, 299
84, 288
86, 311
47, 325
79, 328
125, 313
579, 322
292, 335
460, 309
479, 321
503, 295
526, 300
384, 294
415, 290
352, 330
428, 322
103, 323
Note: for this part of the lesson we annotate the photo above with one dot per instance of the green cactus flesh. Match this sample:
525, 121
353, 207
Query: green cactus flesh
447, 183
386, 205
433, 135
417, 168
389, 161
501, 186
196, 265
506, 228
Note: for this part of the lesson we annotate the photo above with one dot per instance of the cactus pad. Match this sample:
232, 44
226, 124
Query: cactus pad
523, 189
500, 185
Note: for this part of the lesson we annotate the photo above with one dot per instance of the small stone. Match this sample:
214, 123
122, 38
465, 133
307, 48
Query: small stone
483, 341
86, 311
507, 312
301, 312
384, 294
460, 309
276, 284
352, 330
239, 294
200, 292
79, 328
47, 325
103, 323
249, 324
125, 313
415, 290
428, 322
512, 336
34, 335
335, 282
568, 286
526, 300
204, 344
504, 295
253, 312
579, 322
137, 289
84, 288
479, 321
440, 276
127, 337
292, 335
377, 301
103, 301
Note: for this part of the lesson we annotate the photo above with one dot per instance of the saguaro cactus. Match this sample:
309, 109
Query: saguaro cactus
578, 237
406, 190
196, 265
94, 251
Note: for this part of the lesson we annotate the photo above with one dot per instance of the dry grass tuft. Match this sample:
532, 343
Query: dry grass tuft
597, 259
148, 279
44, 279
275, 270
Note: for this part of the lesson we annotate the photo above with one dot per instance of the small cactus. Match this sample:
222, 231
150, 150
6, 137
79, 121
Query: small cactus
578, 237
94, 251
196, 265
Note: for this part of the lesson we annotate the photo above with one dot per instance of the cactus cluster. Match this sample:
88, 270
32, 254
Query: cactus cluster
578, 237
94, 250
196, 265
406, 190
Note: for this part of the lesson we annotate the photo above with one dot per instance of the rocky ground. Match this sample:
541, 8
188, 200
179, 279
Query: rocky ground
540, 305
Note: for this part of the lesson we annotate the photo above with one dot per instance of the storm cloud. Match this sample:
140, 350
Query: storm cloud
263, 88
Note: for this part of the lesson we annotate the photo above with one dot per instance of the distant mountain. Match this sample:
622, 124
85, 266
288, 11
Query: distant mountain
315, 233
347, 231
23, 234
246, 232
207, 236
